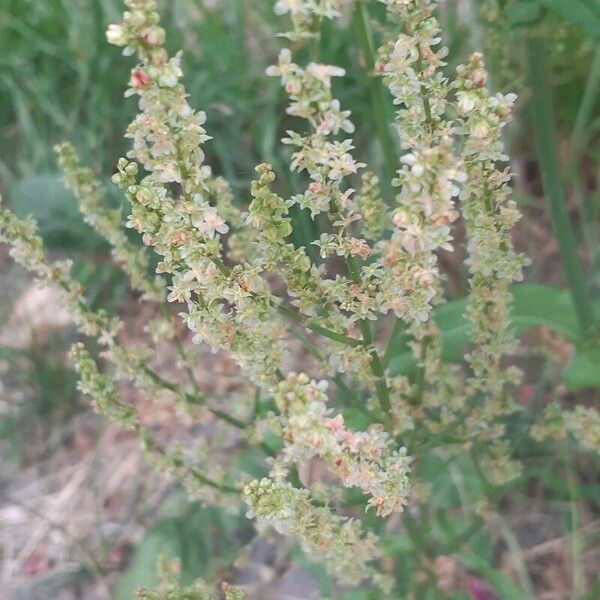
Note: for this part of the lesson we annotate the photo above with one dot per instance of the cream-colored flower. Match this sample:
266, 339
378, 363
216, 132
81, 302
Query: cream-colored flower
324, 73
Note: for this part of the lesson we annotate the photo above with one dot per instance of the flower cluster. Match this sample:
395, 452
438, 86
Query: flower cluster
268, 214
169, 587
489, 216
27, 249
371, 207
307, 15
430, 171
366, 459
329, 163
107, 222
227, 308
101, 389
337, 542
326, 160
583, 423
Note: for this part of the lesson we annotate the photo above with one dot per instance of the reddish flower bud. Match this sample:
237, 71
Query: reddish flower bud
139, 78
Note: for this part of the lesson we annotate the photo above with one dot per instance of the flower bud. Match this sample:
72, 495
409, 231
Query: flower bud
116, 35
154, 36
139, 79
480, 129
479, 77
401, 218
466, 103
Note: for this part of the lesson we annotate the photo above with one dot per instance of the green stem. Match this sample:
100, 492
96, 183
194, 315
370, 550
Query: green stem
181, 351
376, 365
545, 137
308, 344
151, 446
423, 94
575, 539
588, 100
379, 106
296, 316
381, 387
327, 333
192, 398
420, 378
226, 489
579, 138
397, 332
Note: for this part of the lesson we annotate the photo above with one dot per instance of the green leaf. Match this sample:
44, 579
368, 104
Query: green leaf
524, 13
584, 369
533, 305
55, 209
440, 475
583, 13
166, 538
196, 538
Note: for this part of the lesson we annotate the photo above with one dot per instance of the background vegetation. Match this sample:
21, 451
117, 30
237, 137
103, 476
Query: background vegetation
59, 80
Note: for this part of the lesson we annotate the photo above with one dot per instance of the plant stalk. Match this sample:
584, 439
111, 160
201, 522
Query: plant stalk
579, 137
379, 108
542, 114
376, 365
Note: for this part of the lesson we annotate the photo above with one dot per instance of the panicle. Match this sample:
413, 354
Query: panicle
365, 459
429, 174
170, 587
107, 222
175, 211
489, 215
307, 15
337, 542
246, 288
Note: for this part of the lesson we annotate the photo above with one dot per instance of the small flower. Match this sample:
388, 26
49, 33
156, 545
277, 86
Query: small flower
359, 248
139, 78
211, 222
479, 77
115, 34
336, 424
466, 102
295, 7
154, 36
503, 104
480, 130
324, 73
170, 172
284, 65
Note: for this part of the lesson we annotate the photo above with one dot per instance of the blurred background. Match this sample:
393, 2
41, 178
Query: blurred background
81, 514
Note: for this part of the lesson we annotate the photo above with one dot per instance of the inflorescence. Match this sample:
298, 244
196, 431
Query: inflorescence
242, 287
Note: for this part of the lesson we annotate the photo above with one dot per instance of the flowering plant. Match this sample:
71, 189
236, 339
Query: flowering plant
242, 287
